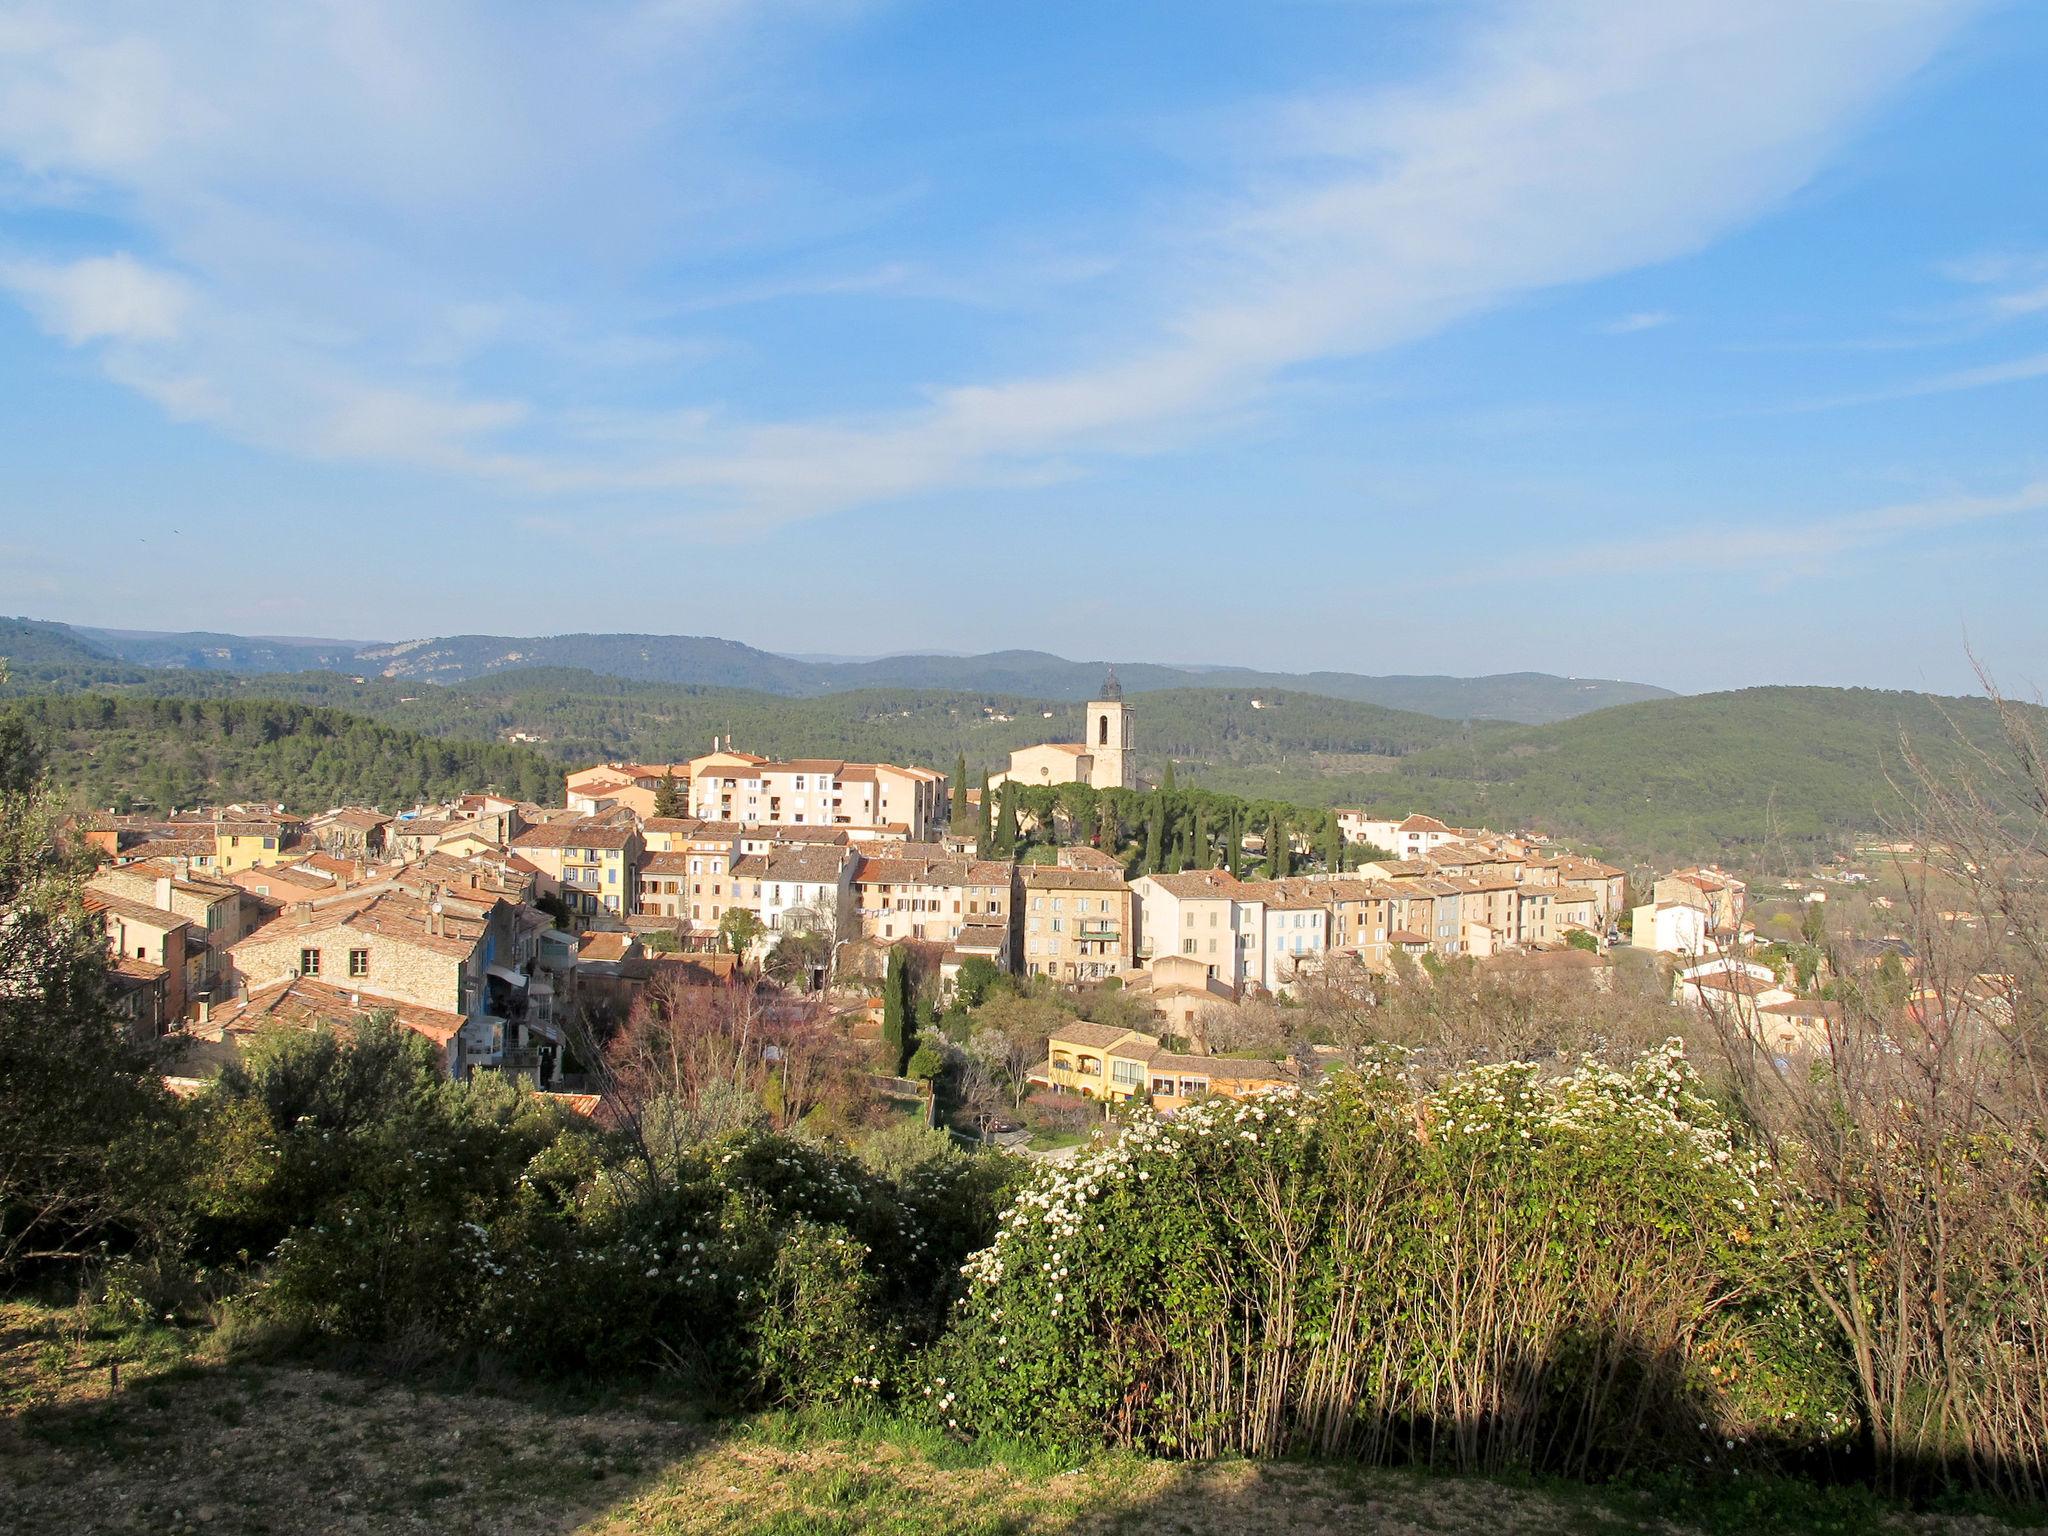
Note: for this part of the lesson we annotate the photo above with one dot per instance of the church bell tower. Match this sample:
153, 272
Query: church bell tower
1109, 743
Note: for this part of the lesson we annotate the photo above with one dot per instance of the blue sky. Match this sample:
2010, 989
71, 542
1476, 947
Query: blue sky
1701, 343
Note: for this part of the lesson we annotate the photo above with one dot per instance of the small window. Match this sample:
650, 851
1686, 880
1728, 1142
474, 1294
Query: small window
309, 962
359, 962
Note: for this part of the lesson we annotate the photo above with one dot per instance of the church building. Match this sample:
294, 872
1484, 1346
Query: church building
1105, 759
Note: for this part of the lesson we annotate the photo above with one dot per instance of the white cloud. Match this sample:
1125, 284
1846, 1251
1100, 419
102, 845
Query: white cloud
101, 298
334, 176
1641, 320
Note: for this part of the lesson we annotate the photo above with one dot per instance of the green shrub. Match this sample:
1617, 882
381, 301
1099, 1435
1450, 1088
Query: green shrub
1576, 1274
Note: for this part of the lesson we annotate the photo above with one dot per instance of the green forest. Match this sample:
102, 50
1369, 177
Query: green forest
1764, 777
104, 750
1760, 776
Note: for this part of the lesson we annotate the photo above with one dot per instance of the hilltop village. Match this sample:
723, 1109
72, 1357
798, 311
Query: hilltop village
491, 926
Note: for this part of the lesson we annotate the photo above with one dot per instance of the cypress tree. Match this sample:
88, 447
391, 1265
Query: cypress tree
1235, 863
1203, 858
1333, 845
1166, 784
959, 793
1155, 834
1006, 825
984, 841
896, 1013
1279, 859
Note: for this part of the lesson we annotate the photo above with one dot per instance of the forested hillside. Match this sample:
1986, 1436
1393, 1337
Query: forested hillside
1765, 775
183, 752
579, 717
1748, 775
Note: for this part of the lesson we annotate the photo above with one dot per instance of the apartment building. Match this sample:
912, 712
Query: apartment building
815, 792
932, 899
1075, 923
593, 860
1194, 914
799, 889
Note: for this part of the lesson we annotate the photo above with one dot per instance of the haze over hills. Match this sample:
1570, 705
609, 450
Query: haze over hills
1524, 697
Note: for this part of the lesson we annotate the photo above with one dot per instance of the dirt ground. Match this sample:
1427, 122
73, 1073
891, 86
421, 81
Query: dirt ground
182, 1442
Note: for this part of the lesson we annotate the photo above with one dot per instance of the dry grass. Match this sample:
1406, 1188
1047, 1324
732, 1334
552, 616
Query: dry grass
189, 1441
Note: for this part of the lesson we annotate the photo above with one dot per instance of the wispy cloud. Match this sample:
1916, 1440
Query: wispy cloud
1641, 320
101, 298
1777, 550
2016, 370
1563, 143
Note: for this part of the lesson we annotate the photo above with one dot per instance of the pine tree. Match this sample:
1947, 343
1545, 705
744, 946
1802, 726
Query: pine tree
896, 1006
668, 796
960, 793
984, 841
1279, 858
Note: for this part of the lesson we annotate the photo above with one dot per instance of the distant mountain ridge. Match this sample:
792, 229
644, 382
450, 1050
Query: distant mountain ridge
1529, 698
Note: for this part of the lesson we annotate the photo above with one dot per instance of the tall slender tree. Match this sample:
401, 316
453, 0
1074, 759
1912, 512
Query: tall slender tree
1333, 845
896, 1013
984, 836
1166, 783
1155, 834
959, 794
1279, 857
1006, 823
1236, 848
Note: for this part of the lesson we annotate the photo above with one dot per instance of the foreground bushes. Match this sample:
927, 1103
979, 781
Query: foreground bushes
1576, 1275
387, 1208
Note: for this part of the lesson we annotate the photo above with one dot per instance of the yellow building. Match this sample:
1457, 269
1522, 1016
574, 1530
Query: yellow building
1101, 1061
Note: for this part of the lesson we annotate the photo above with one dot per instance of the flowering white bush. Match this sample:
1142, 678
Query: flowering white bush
1507, 1268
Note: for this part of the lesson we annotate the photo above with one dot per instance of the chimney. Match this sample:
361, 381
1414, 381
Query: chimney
205, 1011
163, 892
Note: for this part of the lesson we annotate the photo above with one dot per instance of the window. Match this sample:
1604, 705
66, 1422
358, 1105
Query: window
1125, 1074
359, 962
1188, 948
1102, 731
309, 962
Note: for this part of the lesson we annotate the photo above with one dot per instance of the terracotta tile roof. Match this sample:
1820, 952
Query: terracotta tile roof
1094, 1036
1197, 883
388, 913
815, 866
306, 1003
664, 863
133, 911
600, 948
1047, 877
575, 834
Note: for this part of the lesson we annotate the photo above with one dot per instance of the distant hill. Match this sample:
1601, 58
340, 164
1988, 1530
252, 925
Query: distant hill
702, 661
1748, 775
34, 643
201, 651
